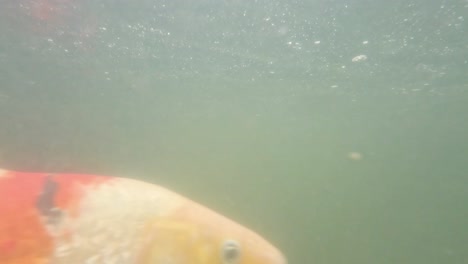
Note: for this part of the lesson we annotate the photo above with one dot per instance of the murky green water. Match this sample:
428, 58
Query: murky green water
338, 129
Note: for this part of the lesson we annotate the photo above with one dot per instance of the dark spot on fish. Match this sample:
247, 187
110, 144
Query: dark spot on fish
46, 202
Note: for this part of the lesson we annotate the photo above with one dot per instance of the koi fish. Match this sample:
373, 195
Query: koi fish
77, 218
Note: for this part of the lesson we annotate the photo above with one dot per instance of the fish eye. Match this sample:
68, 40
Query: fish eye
230, 252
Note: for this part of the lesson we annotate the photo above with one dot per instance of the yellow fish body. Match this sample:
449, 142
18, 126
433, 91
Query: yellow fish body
74, 218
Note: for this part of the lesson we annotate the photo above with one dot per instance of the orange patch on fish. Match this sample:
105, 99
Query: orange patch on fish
22, 235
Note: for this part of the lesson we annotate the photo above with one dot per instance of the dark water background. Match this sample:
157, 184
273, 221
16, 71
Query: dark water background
256, 109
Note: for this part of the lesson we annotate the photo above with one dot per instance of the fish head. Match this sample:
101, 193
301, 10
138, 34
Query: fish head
194, 234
